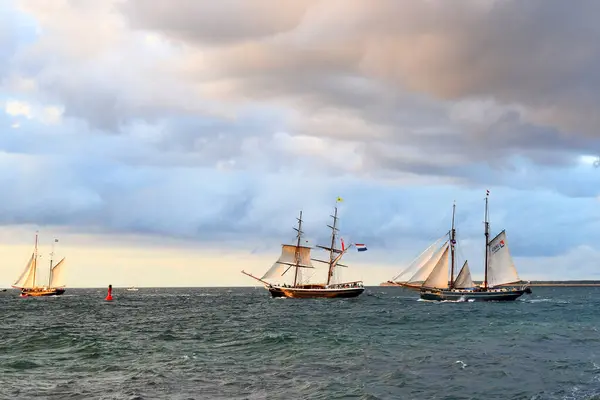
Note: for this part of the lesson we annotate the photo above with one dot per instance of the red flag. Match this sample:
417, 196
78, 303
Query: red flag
343, 247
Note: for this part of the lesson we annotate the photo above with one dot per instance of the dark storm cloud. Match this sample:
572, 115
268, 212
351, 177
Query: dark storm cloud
541, 54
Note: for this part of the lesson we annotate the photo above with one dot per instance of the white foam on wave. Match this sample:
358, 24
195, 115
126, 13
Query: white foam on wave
558, 301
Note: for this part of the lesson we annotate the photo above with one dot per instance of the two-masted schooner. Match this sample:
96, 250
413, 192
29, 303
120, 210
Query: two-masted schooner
437, 262
27, 281
296, 259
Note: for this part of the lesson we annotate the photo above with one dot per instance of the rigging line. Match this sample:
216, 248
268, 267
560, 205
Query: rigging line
440, 234
435, 255
460, 249
413, 262
446, 219
462, 257
444, 227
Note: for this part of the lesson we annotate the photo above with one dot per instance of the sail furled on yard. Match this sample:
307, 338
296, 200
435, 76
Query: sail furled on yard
335, 269
501, 268
425, 270
421, 260
439, 276
56, 277
26, 280
287, 259
464, 280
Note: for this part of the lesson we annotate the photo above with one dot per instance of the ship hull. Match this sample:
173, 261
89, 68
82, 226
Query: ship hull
446, 295
314, 293
42, 292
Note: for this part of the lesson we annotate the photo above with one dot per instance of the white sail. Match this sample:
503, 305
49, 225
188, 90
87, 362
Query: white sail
439, 276
300, 278
56, 275
501, 269
336, 276
304, 257
26, 280
464, 280
275, 271
421, 260
335, 270
428, 266
287, 259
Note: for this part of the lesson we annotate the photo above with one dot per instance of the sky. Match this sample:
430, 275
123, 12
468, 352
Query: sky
174, 143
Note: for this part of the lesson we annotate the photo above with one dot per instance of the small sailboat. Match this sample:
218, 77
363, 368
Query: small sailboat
297, 258
499, 268
27, 281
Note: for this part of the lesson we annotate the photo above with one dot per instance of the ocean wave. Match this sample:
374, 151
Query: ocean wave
241, 344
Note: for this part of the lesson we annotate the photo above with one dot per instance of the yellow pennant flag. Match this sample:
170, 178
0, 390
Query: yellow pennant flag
339, 199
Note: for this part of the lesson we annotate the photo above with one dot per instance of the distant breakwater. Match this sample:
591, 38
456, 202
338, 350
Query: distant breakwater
534, 283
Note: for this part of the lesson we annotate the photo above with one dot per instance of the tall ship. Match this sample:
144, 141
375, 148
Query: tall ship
295, 263
431, 270
27, 282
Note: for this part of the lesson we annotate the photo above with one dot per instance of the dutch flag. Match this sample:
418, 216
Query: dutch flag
360, 247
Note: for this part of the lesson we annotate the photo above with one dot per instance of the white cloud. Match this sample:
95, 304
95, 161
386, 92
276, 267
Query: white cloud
21, 85
17, 108
51, 115
48, 115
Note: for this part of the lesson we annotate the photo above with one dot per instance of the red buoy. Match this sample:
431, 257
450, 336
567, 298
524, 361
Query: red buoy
109, 295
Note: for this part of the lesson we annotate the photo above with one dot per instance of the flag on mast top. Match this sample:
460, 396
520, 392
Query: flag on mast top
339, 200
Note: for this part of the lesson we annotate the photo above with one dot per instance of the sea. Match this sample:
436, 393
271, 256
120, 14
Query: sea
238, 343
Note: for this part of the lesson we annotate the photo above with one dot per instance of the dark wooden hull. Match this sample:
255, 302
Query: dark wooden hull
492, 295
42, 292
313, 293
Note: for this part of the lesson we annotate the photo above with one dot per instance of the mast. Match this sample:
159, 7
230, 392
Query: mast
487, 239
452, 243
332, 248
297, 255
334, 254
35, 256
51, 260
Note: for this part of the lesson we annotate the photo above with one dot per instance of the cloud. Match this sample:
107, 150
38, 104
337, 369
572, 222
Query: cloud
216, 23
401, 68
46, 114
16, 108
217, 123
122, 184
